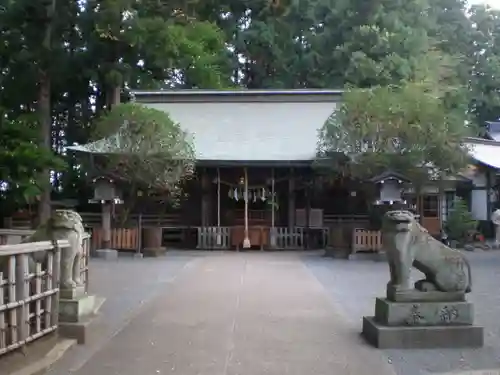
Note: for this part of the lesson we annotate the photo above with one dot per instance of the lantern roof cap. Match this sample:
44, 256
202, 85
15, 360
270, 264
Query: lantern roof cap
388, 175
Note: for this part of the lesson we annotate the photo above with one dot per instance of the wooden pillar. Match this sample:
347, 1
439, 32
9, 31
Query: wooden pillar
218, 235
308, 213
272, 237
246, 240
218, 197
205, 199
488, 195
139, 234
273, 201
7, 222
291, 199
113, 99
106, 225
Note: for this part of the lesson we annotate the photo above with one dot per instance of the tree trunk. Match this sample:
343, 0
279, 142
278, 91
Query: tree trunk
112, 99
44, 114
113, 96
45, 129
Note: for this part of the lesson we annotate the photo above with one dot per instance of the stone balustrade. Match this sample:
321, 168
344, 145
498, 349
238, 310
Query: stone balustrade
31, 301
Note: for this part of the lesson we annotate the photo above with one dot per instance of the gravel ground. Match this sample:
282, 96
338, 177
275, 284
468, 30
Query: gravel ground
353, 286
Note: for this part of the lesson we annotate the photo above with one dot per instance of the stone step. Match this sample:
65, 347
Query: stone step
422, 337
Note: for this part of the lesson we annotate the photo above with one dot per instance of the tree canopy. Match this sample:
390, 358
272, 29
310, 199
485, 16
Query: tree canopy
21, 161
406, 128
143, 146
64, 63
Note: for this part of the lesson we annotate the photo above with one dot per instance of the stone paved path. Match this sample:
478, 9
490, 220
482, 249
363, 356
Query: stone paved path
229, 314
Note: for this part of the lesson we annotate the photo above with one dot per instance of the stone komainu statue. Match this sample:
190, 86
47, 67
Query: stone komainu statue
495, 219
408, 244
62, 225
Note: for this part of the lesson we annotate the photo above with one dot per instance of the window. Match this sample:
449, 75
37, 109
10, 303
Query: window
448, 206
430, 206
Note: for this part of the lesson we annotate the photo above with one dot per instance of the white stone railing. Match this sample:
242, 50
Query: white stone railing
14, 236
29, 292
84, 264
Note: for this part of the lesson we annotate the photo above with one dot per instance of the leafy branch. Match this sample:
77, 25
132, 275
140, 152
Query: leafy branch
143, 146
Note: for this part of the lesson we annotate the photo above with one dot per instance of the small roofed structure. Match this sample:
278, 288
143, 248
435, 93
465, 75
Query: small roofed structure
390, 185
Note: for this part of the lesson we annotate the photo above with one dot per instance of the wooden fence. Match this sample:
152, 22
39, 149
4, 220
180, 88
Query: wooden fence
366, 240
121, 238
93, 219
284, 238
330, 220
289, 238
126, 235
211, 238
29, 292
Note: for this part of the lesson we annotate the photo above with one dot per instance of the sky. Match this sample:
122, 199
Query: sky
493, 3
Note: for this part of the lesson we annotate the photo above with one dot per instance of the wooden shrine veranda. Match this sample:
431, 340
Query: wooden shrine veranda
289, 208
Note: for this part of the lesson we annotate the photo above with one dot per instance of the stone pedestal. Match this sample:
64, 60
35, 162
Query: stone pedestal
422, 324
76, 311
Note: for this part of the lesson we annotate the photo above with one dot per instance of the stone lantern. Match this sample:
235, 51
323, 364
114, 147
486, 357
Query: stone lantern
390, 188
105, 191
106, 194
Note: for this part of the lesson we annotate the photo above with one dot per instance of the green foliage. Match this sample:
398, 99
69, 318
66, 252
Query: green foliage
412, 129
96, 48
143, 146
460, 221
21, 161
90, 51
484, 58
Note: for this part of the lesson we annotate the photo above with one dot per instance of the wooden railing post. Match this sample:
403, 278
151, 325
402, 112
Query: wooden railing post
29, 291
85, 260
55, 277
11, 280
3, 328
139, 233
200, 237
22, 294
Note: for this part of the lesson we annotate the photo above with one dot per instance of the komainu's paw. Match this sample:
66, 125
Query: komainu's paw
425, 286
68, 284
